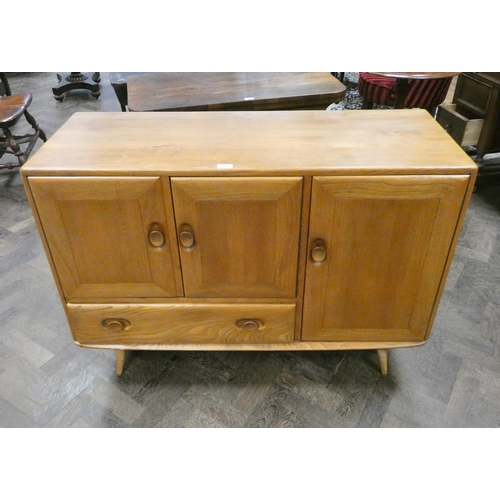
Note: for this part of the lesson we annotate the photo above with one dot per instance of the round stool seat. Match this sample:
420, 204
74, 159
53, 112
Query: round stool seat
12, 108
377, 89
422, 93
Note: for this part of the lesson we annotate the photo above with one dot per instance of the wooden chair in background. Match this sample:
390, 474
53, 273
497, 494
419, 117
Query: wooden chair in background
12, 108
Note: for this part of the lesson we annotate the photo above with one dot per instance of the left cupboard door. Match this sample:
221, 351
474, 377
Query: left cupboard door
110, 237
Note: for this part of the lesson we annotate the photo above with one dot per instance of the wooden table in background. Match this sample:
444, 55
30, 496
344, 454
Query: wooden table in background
402, 85
232, 91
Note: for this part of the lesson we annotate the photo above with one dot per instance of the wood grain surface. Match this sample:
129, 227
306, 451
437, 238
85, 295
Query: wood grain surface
98, 234
453, 381
379, 245
160, 324
269, 142
387, 243
247, 235
232, 91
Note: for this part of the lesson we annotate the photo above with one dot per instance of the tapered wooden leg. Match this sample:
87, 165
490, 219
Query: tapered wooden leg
120, 361
382, 356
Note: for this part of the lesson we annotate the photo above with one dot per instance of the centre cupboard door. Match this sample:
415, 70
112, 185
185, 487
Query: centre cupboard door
378, 248
238, 236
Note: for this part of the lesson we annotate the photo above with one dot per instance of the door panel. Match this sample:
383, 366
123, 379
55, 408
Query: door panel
98, 231
245, 233
387, 242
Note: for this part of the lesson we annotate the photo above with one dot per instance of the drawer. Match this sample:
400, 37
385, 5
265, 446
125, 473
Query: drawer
142, 325
473, 94
464, 130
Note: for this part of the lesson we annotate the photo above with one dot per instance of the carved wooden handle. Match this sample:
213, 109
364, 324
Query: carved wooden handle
115, 324
186, 236
318, 252
156, 236
249, 325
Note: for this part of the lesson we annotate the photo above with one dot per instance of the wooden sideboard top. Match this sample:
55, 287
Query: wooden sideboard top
250, 142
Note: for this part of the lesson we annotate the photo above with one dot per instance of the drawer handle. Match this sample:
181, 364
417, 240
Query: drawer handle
186, 236
318, 253
250, 325
116, 324
156, 236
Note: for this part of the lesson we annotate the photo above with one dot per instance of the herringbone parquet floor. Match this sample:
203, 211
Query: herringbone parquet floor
46, 381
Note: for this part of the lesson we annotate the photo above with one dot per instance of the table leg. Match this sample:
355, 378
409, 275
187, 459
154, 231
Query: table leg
382, 356
489, 126
402, 87
120, 361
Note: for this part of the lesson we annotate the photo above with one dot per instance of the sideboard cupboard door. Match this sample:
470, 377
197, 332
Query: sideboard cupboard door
378, 248
238, 236
109, 237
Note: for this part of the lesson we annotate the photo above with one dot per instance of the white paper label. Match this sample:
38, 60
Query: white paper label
248, 98
224, 165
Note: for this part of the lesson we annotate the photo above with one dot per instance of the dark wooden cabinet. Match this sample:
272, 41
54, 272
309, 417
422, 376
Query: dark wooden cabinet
477, 95
473, 119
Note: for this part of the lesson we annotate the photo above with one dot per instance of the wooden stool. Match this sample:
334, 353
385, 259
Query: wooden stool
404, 90
12, 107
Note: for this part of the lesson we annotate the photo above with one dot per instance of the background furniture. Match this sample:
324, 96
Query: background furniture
4, 85
232, 91
119, 83
12, 108
473, 119
476, 100
250, 231
404, 90
339, 76
77, 81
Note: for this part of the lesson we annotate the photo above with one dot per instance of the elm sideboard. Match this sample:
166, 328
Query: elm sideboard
279, 230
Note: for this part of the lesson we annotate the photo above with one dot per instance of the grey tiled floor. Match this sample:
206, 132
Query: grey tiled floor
46, 381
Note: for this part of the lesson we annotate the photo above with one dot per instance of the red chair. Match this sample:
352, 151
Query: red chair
421, 93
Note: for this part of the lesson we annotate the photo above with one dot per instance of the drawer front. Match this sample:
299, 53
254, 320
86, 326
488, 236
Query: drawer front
157, 324
473, 94
465, 131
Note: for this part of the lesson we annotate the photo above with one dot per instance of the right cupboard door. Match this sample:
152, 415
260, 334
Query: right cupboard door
378, 251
